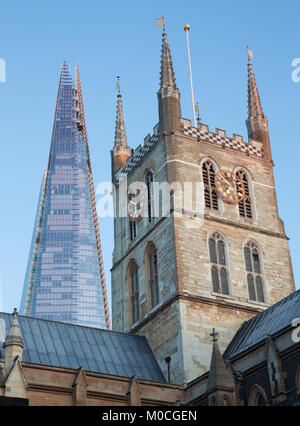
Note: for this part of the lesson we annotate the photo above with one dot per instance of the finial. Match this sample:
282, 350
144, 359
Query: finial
187, 27
15, 312
214, 335
118, 85
250, 53
161, 23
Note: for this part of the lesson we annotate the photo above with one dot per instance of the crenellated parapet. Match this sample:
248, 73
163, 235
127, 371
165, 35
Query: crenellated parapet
220, 138
139, 153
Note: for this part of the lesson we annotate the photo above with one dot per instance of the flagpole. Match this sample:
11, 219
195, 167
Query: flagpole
187, 29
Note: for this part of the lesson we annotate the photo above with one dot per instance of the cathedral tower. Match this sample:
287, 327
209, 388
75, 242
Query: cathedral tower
176, 276
65, 278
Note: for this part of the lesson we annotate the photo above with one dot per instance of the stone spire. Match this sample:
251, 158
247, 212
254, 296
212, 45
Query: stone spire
121, 151
168, 94
257, 123
167, 76
254, 104
219, 384
13, 344
120, 133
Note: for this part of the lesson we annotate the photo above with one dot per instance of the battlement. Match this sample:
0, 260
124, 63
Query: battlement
201, 133
139, 152
220, 138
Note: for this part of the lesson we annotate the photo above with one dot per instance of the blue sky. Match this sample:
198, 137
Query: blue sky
121, 38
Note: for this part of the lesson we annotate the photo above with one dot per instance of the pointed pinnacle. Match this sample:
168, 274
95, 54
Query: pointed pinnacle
167, 76
254, 103
14, 336
120, 133
218, 374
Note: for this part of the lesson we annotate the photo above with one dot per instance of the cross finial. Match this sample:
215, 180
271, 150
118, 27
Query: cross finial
214, 335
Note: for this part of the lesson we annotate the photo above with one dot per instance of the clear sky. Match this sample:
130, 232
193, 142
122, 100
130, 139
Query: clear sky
121, 38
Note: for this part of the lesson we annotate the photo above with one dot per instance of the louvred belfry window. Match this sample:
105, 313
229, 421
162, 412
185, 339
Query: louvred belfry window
255, 279
219, 268
210, 193
245, 208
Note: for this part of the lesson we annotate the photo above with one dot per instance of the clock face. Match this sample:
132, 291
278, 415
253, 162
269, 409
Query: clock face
135, 206
229, 186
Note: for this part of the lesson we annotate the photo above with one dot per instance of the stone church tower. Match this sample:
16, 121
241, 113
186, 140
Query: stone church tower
176, 277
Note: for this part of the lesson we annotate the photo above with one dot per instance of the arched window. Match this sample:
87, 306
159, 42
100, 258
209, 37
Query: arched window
149, 182
245, 208
260, 400
210, 193
153, 275
134, 291
219, 268
257, 397
254, 272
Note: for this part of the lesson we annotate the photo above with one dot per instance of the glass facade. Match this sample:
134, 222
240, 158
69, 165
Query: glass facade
65, 276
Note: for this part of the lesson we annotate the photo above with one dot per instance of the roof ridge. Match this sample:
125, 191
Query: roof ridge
76, 325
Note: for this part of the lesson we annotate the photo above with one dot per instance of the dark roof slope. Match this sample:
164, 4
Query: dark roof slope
72, 346
270, 321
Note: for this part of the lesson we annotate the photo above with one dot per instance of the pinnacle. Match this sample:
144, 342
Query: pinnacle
254, 103
167, 76
218, 374
14, 336
120, 133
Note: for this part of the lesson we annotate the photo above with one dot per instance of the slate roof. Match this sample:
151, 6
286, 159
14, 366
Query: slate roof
270, 321
72, 346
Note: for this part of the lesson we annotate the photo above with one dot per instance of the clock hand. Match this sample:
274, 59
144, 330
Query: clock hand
225, 180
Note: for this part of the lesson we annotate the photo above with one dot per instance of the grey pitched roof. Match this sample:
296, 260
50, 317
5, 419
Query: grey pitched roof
72, 346
270, 321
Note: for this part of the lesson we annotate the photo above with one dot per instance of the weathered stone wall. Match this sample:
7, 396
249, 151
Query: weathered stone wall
183, 255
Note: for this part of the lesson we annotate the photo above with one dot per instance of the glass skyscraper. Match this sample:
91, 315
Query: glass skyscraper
65, 278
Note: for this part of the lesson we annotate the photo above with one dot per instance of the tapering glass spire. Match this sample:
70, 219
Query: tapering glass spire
65, 276
120, 133
254, 104
167, 76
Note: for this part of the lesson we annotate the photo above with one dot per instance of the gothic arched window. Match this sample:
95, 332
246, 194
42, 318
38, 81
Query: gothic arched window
134, 291
153, 275
149, 182
254, 272
245, 208
219, 268
210, 192
257, 397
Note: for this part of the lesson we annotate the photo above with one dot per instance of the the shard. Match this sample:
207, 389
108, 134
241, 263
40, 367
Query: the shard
65, 278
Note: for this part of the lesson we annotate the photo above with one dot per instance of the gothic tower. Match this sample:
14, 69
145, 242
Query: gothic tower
208, 264
65, 278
